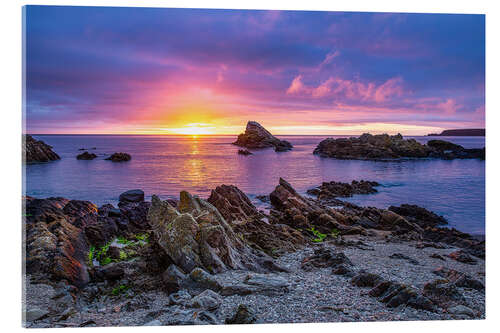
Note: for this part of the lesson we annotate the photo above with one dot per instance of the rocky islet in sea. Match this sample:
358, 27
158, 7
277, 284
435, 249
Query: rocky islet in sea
257, 137
196, 261
387, 147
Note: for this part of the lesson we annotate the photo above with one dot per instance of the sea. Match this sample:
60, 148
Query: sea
166, 165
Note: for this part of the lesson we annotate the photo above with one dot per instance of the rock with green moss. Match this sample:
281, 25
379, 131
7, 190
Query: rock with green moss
197, 235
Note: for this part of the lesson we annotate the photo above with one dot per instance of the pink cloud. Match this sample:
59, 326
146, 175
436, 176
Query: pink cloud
348, 89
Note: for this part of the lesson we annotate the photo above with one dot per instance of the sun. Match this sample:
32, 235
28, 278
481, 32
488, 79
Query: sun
194, 129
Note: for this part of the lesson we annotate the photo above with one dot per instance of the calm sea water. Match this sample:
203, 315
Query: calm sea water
165, 165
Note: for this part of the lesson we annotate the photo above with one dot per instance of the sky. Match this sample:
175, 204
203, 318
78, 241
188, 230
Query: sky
112, 70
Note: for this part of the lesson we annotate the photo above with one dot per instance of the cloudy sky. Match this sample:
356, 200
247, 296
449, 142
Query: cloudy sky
145, 70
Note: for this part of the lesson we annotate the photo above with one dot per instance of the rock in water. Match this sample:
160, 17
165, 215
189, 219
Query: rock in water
244, 152
197, 235
86, 156
37, 151
337, 189
132, 196
119, 157
256, 136
384, 146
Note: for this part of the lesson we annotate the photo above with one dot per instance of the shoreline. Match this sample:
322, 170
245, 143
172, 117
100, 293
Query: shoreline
289, 274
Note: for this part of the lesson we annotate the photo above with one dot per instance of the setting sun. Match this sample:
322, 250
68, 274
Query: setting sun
193, 129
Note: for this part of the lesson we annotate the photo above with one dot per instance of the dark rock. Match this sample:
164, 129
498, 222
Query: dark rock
443, 293
325, 257
395, 294
132, 196
246, 220
86, 156
333, 189
437, 256
37, 151
119, 157
421, 216
442, 145
404, 257
243, 315
173, 279
208, 299
111, 272
256, 137
458, 278
462, 132
385, 147
233, 204
462, 256
365, 279
204, 280
244, 152
342, 269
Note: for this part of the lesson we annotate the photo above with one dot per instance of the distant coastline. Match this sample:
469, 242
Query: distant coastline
462, 132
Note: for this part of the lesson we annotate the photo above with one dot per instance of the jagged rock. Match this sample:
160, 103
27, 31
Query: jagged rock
421, 216
233, 204
244, 152
329, 190
458, 278
37, 151
132, 196
455, 238
444, 293
300, 213
242, 315
246, 220
325, 257
384, 147
55, 247
395, 294
197, 235
462, 256
119, 157
366, 279
256, 136
86, 156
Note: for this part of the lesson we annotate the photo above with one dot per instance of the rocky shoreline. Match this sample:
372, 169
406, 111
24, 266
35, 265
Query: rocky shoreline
221, 260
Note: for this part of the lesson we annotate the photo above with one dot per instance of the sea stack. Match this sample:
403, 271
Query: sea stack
257, 137
35, 151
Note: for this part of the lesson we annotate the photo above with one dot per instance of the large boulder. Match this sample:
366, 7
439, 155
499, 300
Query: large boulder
233, 204
197, 235
37, 151
132, 196
56, 245
246, 220
256, 137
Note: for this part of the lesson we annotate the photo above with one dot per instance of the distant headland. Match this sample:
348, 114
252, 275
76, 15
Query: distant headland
462, 132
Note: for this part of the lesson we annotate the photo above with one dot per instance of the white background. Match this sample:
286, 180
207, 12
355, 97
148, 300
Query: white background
10, 152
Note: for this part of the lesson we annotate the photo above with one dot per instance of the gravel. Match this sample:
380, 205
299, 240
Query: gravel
296, 296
